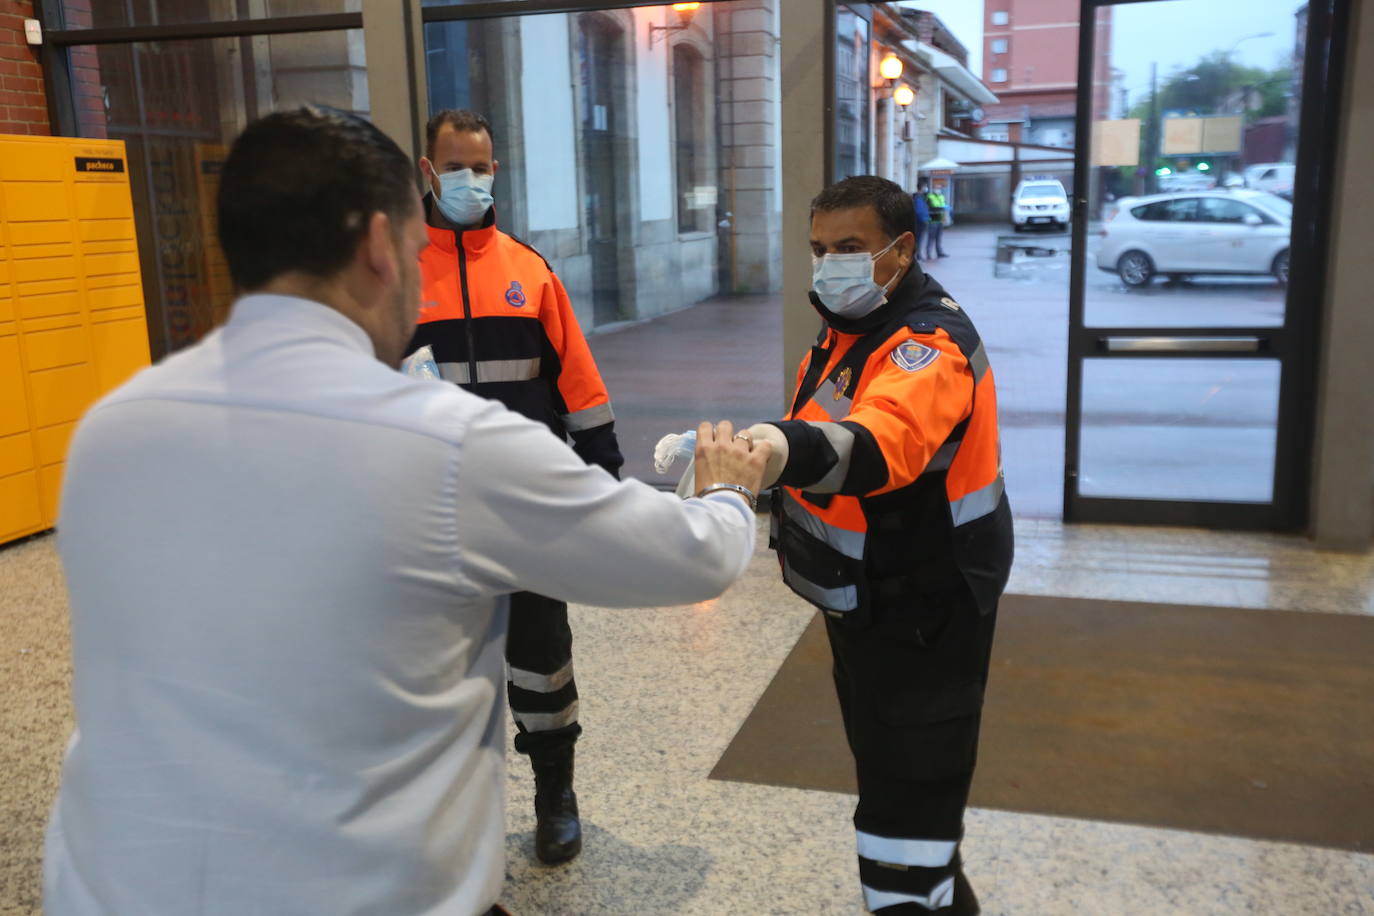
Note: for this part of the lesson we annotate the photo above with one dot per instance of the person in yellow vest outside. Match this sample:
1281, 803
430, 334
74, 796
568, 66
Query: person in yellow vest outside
501, 325
939, 212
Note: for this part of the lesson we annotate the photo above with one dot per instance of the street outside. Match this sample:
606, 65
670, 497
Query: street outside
1199, 429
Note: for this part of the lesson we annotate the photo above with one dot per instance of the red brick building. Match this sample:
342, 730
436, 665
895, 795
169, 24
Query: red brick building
1030, 59
23, 97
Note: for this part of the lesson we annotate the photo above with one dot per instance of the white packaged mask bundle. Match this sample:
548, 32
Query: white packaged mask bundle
421, 364
672, 448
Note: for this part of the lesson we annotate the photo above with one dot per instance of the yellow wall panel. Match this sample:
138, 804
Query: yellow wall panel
103, 201
41, 233
32, 161
51, 442
105, 264
49, 488
42, 201
16, 454
43, 269
60, 347
61, 395
14, 406
22, 291
20, 253
101, 230
72, 322
46, 305
20, 513
113, 297
121, 349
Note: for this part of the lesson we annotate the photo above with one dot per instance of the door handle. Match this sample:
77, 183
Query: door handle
1182, 344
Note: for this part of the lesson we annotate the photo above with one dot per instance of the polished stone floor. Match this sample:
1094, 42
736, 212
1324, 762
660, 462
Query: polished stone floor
663, 692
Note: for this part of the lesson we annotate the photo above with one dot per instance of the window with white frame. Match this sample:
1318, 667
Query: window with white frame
999, 75
999, 46
1001, 17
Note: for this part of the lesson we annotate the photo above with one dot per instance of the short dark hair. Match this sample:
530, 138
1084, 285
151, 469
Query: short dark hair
888, 200
459, 119
298, 189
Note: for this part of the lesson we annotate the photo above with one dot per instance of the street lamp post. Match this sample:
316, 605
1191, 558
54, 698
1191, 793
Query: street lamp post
1226, 94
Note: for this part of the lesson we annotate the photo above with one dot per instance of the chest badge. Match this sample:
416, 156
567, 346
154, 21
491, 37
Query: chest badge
515, 296
842, 383
949, 303
913, 357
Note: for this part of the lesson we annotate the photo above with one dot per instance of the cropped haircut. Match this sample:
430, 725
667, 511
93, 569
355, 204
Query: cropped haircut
888, 200
460, 119
299, 188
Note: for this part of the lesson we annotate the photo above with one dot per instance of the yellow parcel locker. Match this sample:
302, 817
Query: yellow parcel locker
72, 323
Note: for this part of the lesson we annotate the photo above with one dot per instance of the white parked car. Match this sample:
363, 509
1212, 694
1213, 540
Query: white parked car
1274, 177
1040, 202
1204, 232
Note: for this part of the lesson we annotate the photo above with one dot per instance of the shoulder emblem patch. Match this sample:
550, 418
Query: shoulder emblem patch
949, 303
913, 357
515, 296
842, 383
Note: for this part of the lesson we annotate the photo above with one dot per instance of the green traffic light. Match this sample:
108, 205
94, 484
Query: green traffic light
1202, 166
1165, 170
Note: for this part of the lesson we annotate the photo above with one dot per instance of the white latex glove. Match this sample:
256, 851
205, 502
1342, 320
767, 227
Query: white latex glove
767, 432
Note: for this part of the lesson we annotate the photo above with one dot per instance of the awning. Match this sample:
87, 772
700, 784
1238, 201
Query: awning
954, 74
939, 164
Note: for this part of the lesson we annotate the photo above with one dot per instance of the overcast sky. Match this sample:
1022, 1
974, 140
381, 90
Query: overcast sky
1175, 33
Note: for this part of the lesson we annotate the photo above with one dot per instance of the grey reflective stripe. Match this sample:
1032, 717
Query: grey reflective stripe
940, 461
492, 370
547, 721
842, 441
457, 373
921, 853
835, 408
978, 363
849, 543
845, 598
540, 683
978, 503
589, 417
942, 896
507, 370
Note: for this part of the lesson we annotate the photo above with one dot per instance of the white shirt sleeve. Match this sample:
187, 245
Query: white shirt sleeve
533, 516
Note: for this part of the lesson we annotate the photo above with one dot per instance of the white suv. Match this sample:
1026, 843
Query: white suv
1040, 202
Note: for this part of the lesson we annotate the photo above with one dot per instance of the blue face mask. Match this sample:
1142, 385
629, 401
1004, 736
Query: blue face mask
464, 196
845, 285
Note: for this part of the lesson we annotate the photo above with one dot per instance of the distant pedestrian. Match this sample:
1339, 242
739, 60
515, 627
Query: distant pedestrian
918, 200
935, 236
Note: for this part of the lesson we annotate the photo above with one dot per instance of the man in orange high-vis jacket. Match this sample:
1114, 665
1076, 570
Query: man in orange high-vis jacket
500, 325
891, 517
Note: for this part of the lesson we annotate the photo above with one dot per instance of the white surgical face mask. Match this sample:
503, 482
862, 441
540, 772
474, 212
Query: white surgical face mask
464, 196
845, 284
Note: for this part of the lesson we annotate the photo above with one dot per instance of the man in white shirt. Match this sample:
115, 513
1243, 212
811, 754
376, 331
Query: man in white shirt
287, 565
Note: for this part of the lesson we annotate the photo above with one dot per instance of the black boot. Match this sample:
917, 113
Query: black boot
557, 832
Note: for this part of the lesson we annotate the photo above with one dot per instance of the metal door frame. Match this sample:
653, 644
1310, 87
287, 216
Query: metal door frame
1294, 344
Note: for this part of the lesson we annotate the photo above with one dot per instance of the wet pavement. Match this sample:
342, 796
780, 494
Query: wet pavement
1151, 429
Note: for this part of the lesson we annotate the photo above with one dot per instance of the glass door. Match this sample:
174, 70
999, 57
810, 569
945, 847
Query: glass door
1200, 207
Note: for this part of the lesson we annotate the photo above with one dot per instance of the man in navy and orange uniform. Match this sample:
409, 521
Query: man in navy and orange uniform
500, 325
891, 517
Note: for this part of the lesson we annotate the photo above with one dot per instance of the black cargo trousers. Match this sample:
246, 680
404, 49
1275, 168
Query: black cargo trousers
910, 685
540, 684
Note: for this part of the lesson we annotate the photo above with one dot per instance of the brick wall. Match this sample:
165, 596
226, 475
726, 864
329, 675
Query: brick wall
23, 99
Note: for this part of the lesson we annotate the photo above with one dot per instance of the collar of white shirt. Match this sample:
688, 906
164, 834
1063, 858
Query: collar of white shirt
272, 310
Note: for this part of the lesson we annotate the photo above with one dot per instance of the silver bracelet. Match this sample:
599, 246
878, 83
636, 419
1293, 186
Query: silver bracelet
734, 488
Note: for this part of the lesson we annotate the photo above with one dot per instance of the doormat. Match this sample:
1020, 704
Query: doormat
1221, 720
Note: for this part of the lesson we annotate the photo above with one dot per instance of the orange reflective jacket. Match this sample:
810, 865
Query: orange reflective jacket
500, 324
893, 492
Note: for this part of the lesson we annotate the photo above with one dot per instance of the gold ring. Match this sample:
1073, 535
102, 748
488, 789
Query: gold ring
744, 434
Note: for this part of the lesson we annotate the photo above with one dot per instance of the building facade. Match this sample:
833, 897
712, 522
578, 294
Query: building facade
1030, 59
